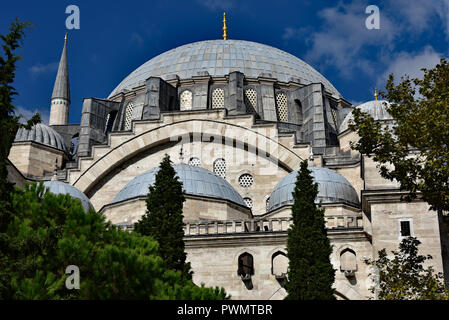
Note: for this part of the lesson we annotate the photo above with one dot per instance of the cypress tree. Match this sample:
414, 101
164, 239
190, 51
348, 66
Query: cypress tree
164, 219
310, 275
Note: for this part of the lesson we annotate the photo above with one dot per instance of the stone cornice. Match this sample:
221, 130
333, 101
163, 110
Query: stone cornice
264, 238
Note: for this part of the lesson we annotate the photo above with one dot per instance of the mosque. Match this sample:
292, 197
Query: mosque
236, 118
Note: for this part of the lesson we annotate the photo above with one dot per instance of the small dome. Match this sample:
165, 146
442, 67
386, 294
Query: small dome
58, 187
332, 188
376, 109
43, 134
196, 181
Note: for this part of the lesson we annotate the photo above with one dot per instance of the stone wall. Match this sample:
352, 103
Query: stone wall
35, 159
194, 209
214, 260
386, 211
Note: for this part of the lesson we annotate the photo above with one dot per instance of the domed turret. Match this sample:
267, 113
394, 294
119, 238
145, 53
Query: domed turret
58, 187
332, 188
376, 109
42, 134
196, 181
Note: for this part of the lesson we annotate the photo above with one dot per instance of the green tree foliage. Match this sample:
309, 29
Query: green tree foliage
415, 151
404, 277
310, 275
49, 232
163, 220
9, 122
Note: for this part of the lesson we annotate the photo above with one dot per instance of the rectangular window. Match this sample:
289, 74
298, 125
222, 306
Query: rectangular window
405, 229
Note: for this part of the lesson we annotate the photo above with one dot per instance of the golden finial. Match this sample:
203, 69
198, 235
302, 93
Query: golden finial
65, 39
375, 94
225, 29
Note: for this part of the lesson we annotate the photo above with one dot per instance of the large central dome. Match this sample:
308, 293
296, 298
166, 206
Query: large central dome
219, 58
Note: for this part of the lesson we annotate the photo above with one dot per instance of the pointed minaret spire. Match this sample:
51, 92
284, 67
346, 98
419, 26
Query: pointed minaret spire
60, 99
225, 28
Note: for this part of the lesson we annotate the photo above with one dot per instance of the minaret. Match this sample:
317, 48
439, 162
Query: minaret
60, 99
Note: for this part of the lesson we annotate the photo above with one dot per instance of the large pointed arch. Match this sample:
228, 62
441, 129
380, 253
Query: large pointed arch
164, 134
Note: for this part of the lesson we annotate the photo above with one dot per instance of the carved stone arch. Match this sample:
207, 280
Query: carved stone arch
241, 251
246, 264
148, 139
343, 247
279, 263
348, 260
273, 251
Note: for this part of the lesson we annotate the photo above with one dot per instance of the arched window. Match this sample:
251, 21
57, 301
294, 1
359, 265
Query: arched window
110, 121
218, 98
250, 100
246, 265
128, 115
74, 144
348, 261
248, 202
299, 111
220, 168
281, 101
246, 180
186, 100
279, 264
194, 162
334, 118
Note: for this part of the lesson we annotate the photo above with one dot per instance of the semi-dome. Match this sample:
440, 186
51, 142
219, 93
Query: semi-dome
196, 181
58, 187
43, 134
332, 188
376, 109
219, 58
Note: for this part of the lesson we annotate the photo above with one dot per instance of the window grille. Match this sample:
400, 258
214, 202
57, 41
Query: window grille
248, 203
186, 100
246, 180
220, 168
281, 100
194, 162
250, 100
128, 116
218, 98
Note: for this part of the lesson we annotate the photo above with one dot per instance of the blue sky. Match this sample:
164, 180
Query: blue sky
116, 37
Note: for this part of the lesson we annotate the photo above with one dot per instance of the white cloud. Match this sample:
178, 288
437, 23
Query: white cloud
27, 114
39, 68
292, 33
343, 41
418, 16
344, 37
404, 63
